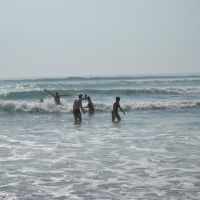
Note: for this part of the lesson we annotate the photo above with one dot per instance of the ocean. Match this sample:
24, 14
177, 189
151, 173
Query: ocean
152, 154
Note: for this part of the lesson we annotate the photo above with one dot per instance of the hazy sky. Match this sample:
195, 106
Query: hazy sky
98, 37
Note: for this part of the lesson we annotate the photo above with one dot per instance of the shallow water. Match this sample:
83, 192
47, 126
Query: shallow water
146, 156
153, 153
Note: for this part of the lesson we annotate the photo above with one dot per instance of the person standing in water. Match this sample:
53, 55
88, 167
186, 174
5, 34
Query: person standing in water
115, 113
56, 96
77, 107
90, 106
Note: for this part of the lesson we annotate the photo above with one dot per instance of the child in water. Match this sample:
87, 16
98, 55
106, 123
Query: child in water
115, 113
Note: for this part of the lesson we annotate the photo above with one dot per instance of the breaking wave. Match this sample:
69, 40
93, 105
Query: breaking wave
51, 108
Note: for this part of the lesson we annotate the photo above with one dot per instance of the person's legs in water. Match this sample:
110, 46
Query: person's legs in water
118, 116
115, 115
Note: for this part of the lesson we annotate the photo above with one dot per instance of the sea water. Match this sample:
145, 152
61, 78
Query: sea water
153, 153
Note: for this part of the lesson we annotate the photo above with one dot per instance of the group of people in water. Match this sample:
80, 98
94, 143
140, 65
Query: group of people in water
77, 106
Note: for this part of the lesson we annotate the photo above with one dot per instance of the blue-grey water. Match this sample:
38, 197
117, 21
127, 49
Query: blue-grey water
152, 154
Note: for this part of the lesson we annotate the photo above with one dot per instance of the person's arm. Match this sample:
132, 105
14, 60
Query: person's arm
82, 107
121, 109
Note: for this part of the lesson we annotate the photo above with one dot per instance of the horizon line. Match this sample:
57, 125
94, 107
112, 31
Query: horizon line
102, 76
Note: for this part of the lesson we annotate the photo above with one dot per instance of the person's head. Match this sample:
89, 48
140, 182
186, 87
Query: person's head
117, 99
88, 98
80, 96
56, 93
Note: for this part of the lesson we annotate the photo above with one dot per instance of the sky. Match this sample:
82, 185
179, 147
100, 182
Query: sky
53, 38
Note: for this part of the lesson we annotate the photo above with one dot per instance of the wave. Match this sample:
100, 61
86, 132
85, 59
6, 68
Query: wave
179, 105
50, 108
70, 83
32, 107
155, 91
165, 81
118, 91
32, 94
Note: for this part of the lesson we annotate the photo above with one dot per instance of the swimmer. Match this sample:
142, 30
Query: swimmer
115, 113
56, 96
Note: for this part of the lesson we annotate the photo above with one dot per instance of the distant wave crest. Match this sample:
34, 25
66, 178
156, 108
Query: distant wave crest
116, 91
158, 91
